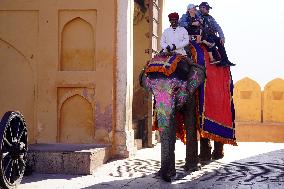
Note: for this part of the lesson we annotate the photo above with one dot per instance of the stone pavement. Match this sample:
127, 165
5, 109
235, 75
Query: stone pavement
247, 166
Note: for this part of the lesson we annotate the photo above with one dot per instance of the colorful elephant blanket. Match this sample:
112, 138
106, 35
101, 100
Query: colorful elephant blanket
163, 64
216, 107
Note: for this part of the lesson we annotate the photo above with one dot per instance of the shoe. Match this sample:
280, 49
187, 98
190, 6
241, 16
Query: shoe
230, 63
223, 63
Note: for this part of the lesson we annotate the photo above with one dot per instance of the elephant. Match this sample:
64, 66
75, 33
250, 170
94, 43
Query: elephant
175, 93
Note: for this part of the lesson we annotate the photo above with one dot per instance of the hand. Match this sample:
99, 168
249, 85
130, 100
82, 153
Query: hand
195, 23
174, 47
222, 41
168, 48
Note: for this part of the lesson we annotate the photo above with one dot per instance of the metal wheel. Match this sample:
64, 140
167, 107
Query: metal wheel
13, 146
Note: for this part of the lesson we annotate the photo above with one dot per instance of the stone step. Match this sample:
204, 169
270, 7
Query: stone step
67, 158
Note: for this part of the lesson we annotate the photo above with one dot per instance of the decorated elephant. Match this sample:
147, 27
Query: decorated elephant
173, 80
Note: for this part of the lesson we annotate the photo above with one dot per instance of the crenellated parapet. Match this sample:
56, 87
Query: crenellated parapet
254, 105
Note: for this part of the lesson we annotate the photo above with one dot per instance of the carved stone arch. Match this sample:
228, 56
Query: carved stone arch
9, 45
76, 121
77, 46
17, 91
73, 93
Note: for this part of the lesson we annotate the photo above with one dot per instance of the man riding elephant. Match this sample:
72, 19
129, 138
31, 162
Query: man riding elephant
174, 38
215, 97
173, 79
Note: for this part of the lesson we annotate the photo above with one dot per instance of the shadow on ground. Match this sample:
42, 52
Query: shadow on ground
259, 172
41, 177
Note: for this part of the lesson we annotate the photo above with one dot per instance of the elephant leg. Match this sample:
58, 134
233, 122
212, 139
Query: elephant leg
191, 160
218, 152
168, 152
205, 150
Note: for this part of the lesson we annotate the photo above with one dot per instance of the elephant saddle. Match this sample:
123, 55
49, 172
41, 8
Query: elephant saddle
163, 63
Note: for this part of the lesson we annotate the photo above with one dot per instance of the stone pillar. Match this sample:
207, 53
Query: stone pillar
123, 132
161, 16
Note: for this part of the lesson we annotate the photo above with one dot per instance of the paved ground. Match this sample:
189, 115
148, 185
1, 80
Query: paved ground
247, 166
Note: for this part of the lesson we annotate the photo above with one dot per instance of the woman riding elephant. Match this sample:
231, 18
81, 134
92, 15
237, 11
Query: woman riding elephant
173, 79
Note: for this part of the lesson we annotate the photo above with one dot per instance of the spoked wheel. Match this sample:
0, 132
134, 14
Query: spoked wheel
13, 146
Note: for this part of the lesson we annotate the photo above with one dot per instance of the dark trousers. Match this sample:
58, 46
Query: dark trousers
215, 53
221, 48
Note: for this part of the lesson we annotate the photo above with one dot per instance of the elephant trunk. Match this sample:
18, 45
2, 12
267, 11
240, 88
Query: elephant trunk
164, 108
170, 95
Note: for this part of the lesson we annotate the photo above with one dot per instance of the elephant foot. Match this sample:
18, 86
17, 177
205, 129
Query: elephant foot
217, 155
218, 152
205, 162
166, 177
192, 167
171, 173
204, 159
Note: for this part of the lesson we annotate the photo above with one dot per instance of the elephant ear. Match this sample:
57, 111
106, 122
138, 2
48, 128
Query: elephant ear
196, 77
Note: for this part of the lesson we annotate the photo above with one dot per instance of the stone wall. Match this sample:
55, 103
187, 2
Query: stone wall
259, 114
57, 61
68, 67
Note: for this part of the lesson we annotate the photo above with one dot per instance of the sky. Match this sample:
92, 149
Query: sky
254, 33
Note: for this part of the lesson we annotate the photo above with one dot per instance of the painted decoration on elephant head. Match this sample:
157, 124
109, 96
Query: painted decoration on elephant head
170, 94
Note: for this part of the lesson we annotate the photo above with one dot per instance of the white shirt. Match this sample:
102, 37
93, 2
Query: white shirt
178, 36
